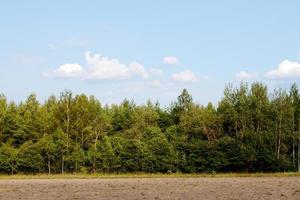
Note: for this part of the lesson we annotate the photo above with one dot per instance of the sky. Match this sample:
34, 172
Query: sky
146, 49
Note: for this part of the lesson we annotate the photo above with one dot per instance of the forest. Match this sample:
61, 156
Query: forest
249, 130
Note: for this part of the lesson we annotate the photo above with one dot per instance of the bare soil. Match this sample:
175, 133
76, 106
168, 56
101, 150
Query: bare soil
153, 188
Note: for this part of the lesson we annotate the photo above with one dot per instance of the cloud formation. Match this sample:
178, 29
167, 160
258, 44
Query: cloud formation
185, 76
170, 60
156, 72
101, 68
68, 71
285, 70
243, 75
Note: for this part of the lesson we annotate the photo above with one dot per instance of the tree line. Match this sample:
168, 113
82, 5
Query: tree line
250, 130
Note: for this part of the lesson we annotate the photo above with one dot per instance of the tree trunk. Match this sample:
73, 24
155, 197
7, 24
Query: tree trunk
94, 164
279, 136
276, 136
68, 125
95, 149
49, 164
62, 163
293, 151
76, 161
299, 155
293, 143
82, 139
299, 146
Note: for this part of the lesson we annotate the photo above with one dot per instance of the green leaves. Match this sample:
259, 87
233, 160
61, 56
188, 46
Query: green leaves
9, 159
249, 130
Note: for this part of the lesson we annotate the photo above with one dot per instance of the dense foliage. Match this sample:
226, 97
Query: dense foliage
250, 130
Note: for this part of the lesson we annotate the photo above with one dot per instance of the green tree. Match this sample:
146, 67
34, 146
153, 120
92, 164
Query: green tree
294, 95
48, 149
30, 114
9, 159
13, 126
29, 158
184, 101
3, 107
282, 110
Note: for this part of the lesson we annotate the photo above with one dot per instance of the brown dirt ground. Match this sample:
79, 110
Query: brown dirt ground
153, 188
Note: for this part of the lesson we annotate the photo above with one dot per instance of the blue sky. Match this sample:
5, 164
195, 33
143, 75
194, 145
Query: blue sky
146, 49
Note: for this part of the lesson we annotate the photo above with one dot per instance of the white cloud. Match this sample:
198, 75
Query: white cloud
101, 68
170, 60
285, 70
185, 76
242, 75
68, 71
138, 70
156, 72
155, 83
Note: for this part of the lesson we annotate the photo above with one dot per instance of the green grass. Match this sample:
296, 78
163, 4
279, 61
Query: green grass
144, 175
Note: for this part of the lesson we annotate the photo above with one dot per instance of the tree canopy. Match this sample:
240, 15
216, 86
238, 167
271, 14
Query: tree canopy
249, 130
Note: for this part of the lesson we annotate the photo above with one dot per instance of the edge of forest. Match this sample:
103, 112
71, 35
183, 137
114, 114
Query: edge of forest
145, 175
